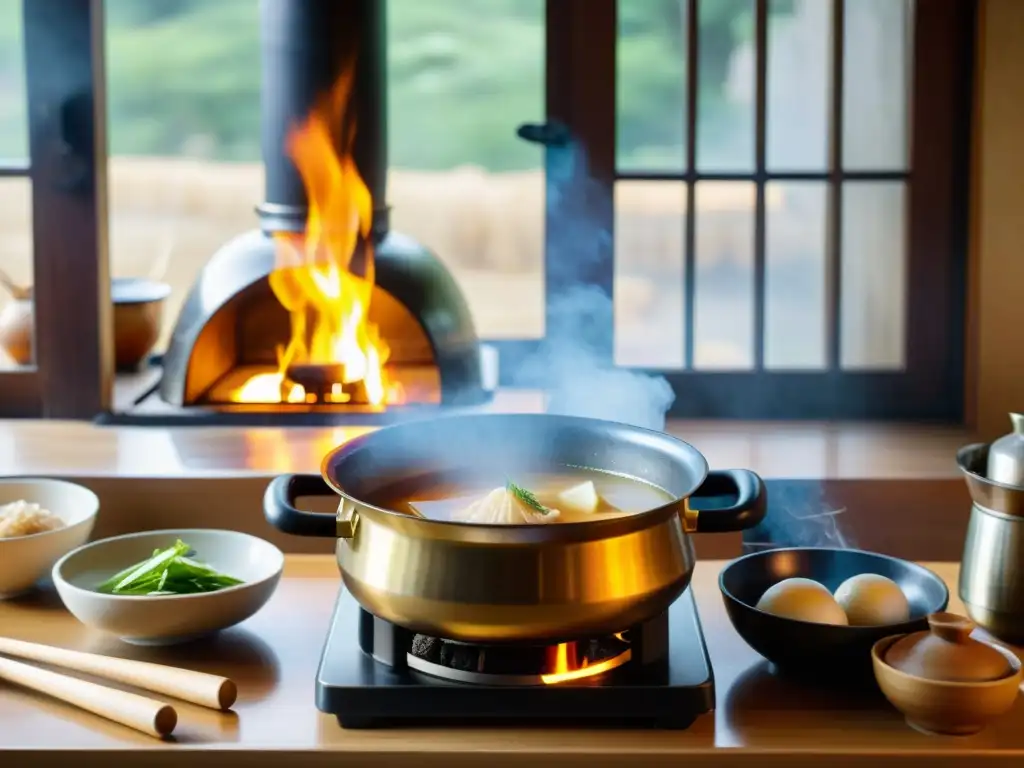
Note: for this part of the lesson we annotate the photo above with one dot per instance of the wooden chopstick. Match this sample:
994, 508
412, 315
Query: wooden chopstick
197, 687
143, 714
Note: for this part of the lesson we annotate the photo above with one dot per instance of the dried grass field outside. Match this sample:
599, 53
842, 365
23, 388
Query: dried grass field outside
169, 215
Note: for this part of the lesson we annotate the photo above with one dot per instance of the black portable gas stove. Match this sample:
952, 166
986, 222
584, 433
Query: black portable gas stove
375, 674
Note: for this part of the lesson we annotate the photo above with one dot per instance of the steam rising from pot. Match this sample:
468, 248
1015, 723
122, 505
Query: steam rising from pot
799, 515
573, 362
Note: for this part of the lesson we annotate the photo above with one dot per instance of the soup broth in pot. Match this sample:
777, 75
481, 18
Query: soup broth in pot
569, 495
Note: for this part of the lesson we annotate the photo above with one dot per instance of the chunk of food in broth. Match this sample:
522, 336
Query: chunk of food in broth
581, 498
511, 505
566, 495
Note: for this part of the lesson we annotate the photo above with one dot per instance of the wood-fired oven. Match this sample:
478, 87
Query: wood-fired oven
277, 321
232, 326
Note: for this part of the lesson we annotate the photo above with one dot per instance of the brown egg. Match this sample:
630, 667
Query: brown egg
872, 600
803, 600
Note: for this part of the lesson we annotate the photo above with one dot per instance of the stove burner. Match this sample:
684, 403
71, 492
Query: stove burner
664, 682
518, 664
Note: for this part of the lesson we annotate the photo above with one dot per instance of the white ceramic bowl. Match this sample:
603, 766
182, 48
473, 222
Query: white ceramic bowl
168, 619
24, 560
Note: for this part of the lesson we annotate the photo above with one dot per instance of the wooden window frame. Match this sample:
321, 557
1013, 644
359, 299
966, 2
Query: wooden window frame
581, 40
72, 375
66, 87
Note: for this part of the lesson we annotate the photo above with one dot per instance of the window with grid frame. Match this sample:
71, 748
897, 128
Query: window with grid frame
55, 342
702, 184
16, 315
789, 211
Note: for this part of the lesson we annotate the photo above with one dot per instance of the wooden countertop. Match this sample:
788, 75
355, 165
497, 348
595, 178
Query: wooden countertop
791, 450
760, 720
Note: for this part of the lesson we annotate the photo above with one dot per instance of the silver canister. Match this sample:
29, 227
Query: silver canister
992, 570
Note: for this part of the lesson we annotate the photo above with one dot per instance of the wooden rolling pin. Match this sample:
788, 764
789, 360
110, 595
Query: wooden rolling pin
147, 715
197, 687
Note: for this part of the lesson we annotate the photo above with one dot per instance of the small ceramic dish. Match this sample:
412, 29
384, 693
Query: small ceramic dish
138, 318
944, 681
168, 619
24, 560
138, 321
822, 653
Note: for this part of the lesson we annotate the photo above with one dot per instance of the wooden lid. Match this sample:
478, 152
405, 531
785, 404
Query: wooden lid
947, 652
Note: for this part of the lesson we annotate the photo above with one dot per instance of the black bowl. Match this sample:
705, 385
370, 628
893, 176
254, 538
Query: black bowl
822, 652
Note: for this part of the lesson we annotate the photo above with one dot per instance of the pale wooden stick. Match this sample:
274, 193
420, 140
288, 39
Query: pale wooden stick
17, 292
197, 687
147, 715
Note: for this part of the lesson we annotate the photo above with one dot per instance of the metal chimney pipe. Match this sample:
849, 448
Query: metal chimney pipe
305, 44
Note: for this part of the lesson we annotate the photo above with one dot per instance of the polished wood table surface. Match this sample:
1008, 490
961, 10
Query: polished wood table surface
760, 720
792, 450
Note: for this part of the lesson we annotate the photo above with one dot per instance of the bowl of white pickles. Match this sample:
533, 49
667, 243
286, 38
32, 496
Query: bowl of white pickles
168, 587
40, 520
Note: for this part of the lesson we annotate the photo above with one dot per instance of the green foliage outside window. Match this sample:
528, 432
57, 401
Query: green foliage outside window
184, 77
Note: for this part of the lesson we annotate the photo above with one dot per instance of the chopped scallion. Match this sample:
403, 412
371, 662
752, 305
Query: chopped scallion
168, 572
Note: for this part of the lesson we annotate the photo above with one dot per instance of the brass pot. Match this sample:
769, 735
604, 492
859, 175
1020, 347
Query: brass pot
506, 583
138, 318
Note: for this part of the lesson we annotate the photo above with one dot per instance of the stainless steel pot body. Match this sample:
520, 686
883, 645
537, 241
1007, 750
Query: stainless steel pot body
992, 568
498, 583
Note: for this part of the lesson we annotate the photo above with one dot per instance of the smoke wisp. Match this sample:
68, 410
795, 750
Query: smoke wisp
573, 362
799, 515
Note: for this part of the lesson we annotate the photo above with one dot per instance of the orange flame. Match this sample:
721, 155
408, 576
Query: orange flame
562, 660
314, 279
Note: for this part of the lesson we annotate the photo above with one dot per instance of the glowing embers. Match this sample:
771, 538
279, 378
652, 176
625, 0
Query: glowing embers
252, 387
585, 660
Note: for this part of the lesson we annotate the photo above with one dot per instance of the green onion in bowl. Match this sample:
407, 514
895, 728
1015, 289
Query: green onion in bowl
169, 571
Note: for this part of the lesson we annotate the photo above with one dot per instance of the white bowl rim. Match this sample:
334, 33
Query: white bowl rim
182, 534
94, 505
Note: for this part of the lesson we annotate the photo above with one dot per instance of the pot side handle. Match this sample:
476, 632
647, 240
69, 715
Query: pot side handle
747, 511
279, 506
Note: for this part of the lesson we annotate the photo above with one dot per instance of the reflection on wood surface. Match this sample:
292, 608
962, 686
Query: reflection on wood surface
811, 450
760, 719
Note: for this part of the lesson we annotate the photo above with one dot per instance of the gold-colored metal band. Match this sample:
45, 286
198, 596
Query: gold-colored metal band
689, 517
348, 520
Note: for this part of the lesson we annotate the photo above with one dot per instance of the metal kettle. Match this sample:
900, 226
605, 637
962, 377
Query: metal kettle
992, 569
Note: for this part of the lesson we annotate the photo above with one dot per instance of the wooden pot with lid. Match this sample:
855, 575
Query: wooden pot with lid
945, 681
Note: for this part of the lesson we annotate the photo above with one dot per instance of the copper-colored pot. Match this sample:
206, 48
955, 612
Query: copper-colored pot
138, 318
505, 583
